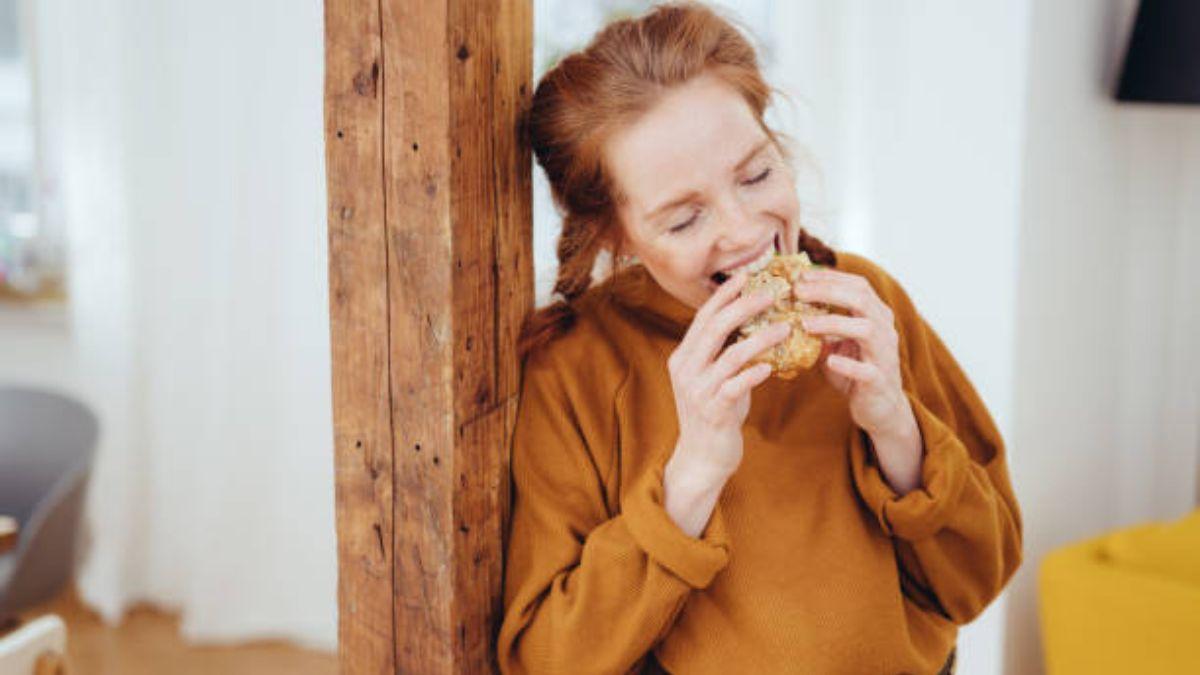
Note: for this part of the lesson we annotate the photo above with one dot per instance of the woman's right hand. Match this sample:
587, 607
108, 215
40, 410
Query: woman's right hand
712, 391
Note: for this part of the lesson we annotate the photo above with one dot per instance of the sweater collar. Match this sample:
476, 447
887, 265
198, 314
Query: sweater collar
636, 289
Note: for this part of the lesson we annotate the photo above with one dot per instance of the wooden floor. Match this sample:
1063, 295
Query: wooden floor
148, 642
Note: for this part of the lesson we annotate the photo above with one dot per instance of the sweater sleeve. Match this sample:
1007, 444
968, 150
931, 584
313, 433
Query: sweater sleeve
586, 591
958, 535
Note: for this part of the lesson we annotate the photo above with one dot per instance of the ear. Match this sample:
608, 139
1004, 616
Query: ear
620, 247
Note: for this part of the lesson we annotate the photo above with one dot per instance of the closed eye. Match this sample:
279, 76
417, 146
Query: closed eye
685, 224
688, 223
759, 178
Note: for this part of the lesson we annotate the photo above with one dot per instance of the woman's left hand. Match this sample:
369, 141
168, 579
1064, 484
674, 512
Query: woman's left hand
863, 359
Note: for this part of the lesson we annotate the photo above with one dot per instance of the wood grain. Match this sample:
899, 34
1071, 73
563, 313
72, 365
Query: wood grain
489, 81
359, 334
452, 186
148, 641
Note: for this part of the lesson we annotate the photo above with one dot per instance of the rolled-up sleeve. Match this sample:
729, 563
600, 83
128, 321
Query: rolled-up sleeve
959, 533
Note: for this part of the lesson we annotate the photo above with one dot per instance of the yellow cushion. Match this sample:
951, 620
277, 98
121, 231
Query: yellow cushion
1170, 550
1123, 602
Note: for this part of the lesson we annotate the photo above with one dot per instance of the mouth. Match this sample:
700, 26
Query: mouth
759, 262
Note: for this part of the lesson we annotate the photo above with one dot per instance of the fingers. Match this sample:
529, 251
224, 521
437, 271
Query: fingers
725, 293
789, 241
877, 340
859, 371
715, 320
736, 387
713, 336
737, 356
842, 289
835, 324
686, 355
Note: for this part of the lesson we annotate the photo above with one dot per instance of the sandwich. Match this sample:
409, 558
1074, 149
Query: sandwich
800, 350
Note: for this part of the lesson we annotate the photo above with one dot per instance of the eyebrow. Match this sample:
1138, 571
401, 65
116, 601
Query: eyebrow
691, 194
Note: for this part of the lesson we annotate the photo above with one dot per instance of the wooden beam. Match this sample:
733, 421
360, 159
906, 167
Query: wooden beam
359, 335
430, 277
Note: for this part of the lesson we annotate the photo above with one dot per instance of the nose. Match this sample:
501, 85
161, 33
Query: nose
736, 230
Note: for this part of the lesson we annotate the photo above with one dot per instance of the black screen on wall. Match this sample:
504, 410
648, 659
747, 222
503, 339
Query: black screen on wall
1162, 62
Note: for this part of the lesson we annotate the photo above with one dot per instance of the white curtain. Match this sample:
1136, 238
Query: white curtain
183, 142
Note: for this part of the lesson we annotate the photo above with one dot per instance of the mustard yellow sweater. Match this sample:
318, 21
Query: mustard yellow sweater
810, 562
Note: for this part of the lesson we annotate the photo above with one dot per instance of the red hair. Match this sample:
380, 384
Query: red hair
579, 103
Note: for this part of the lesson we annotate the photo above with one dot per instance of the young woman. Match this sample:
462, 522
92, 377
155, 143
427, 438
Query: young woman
673, 508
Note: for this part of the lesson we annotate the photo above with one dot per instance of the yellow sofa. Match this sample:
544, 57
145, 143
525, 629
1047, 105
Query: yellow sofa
1124, 602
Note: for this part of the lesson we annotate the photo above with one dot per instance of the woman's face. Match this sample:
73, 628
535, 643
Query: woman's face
705, 190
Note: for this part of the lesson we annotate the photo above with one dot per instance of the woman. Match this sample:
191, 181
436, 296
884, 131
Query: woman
675, 509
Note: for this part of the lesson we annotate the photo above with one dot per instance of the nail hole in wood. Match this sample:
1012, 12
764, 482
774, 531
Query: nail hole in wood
379, 538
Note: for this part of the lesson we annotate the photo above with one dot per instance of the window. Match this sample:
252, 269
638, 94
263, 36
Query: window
31, 253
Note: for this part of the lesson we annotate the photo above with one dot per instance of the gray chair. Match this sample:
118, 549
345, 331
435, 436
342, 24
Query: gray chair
47, 443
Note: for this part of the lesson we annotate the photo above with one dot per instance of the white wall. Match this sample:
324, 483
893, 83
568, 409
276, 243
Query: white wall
1106, 409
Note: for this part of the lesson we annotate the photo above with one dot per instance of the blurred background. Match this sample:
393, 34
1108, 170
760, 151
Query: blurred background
163, 264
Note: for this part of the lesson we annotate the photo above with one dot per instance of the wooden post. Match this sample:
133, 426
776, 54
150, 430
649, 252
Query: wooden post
430, 275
